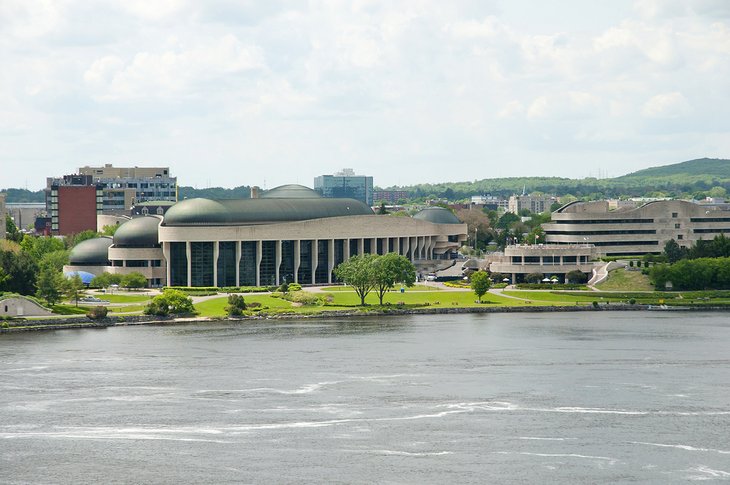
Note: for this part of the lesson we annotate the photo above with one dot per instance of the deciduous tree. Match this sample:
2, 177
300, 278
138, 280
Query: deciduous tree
480, 283
358, 272
390, 269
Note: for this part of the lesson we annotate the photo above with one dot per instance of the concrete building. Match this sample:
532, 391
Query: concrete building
549, 259
536, 204
345, 185
24, 214
635, 231
289, 234
390, 196
123, 186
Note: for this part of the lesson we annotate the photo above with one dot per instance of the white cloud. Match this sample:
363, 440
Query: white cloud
666, 105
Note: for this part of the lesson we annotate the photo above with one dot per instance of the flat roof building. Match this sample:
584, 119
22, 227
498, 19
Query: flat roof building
344, 185
634, 231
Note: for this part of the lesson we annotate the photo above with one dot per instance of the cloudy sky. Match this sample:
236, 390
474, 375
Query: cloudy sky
237, 92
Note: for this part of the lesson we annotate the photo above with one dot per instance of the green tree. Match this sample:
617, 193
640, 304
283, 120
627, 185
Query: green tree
50, 284
73, 239
110, 229
480, 283
58, 259
72, 287
534, 278
390, 269
358, 272
105, 280
236, 305
134, 280
37, 246
507, 219
22, 271
11, 229
170, 301
382, 209
673, 252
575, 276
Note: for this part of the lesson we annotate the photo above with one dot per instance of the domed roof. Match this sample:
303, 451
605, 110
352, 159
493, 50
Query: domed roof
437, 215
290, 191
260, 211
92, 252
139, 232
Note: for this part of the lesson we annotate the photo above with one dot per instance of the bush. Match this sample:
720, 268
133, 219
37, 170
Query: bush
236, 306
97, 312
534, 278
284, 288
595, 304
170, 301
295, 287
632, 301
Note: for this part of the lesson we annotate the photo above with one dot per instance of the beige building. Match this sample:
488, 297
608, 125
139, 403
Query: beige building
633, 231
290, 234
549, 259
536, 204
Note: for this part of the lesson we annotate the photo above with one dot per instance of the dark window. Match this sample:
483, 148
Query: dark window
247, 266
570, 259
339, 255
674, 215
677, 226
353, 247
304, 275
680, 237
137, 263
322, 262
286, 269
367, 249
201, 263
156, 263
227, 263
178, 264
268, 263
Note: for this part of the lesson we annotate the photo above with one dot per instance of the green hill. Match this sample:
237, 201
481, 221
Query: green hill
702, 167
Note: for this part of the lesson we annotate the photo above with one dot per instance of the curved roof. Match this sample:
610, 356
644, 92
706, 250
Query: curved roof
260, 211
141, 231
92, 252
290, 191
437, 215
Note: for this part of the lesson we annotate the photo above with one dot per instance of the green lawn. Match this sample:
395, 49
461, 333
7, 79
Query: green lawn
547, 296
124, 298
397, 288
623, 280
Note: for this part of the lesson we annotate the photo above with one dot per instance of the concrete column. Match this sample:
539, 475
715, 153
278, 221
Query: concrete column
216, 253
277, 261
413, 245
188, 253
360, 246
374, 245
346, 250
258, 262
421, 247
297, 259
166, 253
315, 259
407, 248
238, 263
330, 259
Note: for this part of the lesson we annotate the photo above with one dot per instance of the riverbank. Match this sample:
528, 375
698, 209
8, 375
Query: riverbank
85, 323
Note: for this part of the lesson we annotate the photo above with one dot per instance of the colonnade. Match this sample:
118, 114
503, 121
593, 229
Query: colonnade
314, 265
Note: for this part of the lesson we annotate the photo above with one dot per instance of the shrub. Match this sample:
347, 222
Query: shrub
632, 302
284, 288
534, 278
236, 306
595, 304
97, 312
170, 301
295, 287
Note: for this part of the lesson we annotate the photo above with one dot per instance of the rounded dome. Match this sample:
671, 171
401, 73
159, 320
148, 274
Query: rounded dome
138, 232
196, 210
290, 191
260, 211
92, 252
437, 215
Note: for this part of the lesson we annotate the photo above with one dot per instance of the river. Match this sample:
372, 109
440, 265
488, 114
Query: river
605, 397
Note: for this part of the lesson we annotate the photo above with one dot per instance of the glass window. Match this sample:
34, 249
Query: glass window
201, 263
304, 275
268, 263
247, 266
286, 269
227, 263
322, 262
178, 264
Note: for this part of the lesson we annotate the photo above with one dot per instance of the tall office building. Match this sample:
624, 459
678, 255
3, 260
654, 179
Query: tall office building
73, 201
124, 186
345, 184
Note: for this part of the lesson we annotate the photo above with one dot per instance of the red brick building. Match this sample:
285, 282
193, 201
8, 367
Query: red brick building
74, 208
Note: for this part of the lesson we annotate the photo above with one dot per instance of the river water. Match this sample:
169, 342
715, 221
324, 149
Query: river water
606, 397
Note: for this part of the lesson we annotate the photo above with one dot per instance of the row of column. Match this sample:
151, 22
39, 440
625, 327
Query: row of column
561, 262
414, 248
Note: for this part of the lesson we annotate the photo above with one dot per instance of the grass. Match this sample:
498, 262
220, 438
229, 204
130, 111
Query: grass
547, 296
124, 298
397, 288
623, 280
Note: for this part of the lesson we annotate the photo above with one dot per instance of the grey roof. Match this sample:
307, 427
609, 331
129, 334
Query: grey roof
259, 211
290, 191
138, 232
154, 203
437, 215
92, 252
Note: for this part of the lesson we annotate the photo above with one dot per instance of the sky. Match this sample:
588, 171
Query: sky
243, 92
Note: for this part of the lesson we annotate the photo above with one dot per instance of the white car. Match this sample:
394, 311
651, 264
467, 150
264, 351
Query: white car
431, 277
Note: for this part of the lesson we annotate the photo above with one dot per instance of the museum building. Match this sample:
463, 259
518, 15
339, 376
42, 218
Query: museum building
289, 234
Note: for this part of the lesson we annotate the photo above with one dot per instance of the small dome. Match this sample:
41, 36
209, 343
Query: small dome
138, 232
437, 215
92, 252
291, 191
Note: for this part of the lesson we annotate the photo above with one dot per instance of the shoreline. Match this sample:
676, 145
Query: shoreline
123, 321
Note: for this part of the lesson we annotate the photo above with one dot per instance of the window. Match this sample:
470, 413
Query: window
680, 237
201, 263
674, 215
677, 226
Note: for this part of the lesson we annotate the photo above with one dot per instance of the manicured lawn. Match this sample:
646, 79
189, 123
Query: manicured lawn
124, 298
547, 296
125, 308
397, 288
215, 306
623, 280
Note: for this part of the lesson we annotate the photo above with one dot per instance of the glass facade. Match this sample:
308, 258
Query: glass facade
367, 246
339, 255
350, 186
201, 263
178, 264
304, 275
286, 268
321, 274
247, 266
227, 263
353, 247
267, 270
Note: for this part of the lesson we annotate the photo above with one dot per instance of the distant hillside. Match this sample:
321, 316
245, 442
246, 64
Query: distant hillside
242, 192
702, 167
